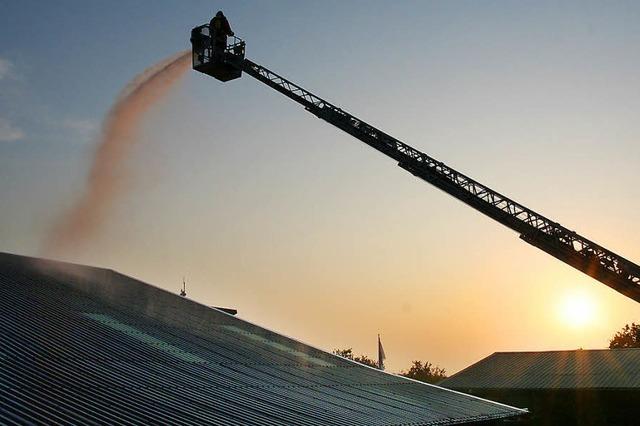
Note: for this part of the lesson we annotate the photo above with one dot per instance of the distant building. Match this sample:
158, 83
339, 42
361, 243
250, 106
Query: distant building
83, 345
581, 387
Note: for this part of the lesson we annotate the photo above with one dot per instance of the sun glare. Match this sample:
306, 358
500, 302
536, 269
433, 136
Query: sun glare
577, 310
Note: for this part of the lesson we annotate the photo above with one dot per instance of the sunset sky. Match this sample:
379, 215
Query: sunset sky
304, 229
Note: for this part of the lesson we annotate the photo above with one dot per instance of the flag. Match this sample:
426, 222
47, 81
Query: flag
381, 355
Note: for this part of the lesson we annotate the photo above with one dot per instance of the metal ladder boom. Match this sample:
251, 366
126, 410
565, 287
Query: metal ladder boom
594, 260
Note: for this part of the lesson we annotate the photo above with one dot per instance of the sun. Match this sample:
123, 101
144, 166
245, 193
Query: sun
577, 310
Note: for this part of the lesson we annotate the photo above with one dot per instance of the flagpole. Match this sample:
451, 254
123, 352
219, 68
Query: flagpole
381, 354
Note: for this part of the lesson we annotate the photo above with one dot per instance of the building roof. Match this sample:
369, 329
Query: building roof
578, 369
87, 345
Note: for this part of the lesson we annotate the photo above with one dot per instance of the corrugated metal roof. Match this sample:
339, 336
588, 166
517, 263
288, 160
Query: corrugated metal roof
578, 369
91, 346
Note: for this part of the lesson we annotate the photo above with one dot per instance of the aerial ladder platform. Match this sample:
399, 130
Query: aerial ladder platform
573, 249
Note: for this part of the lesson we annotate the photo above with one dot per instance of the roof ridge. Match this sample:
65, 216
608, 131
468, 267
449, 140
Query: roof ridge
128, 318
564, 350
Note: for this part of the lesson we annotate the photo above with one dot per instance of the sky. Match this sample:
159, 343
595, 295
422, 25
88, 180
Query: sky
302, 228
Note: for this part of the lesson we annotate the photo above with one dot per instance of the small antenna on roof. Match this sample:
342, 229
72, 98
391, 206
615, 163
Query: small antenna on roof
183, 292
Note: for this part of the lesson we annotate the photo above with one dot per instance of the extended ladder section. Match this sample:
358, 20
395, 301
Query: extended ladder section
594, 260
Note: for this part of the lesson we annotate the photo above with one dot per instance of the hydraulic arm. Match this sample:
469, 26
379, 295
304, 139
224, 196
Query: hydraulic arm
594, 260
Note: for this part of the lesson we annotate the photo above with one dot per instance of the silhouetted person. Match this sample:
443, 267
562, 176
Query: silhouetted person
219, 29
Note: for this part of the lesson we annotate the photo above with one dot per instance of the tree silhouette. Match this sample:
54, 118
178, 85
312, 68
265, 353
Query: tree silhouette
426, 372
628, 337
362, 359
